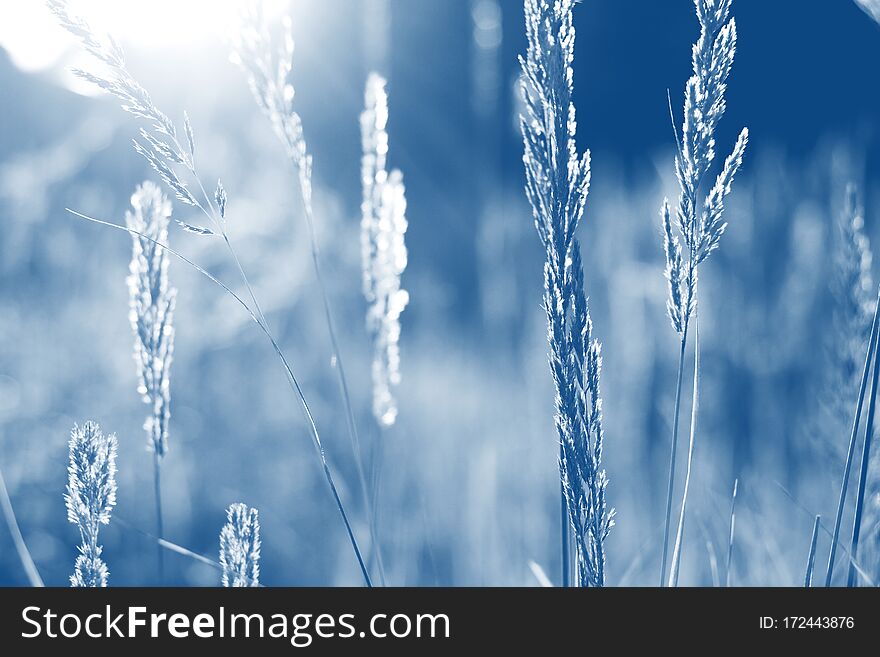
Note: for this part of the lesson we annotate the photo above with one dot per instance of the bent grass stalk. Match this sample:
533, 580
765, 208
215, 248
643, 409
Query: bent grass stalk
859, 569
288, 371
268, 75
169, 546
838, 518
21, 548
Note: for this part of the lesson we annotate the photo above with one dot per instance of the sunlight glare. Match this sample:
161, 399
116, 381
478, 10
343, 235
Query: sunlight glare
29, 33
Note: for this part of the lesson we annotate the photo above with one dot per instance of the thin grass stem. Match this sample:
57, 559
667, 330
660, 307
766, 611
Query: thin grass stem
564, 537
695, 403
377, 462
165, 544
811, 558
184, 552
731, 533
160, 525
24, 554
244, 279
672, 454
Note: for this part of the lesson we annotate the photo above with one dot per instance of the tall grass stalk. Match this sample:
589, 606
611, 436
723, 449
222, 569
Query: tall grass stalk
731, 533
863, 473
21, 548
841, 501
90, 498
557, 183
163, 151
699, 218
811, 557
151, 313
160, 518
268, 71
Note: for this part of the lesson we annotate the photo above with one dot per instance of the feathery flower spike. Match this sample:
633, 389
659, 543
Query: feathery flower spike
152, 308
700, 224
90, 498
240, 546
383, 249
557, 183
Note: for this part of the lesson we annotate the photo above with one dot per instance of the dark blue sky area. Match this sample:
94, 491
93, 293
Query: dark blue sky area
804, 69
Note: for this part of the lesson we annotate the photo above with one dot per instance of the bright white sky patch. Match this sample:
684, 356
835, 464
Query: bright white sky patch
31, 36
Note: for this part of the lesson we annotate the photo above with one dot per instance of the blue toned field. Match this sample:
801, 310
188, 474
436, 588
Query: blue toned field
416, 292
